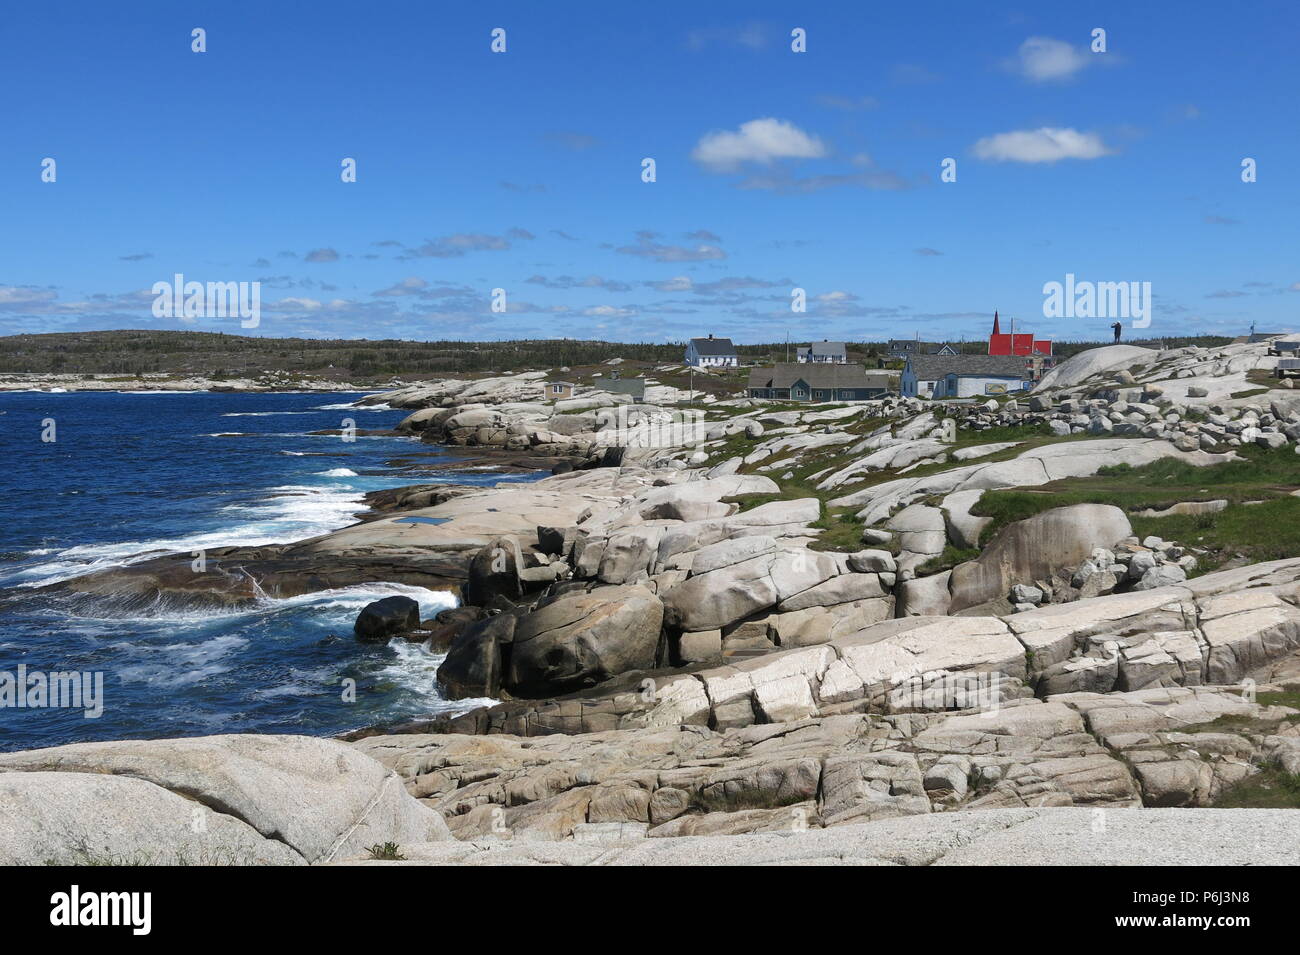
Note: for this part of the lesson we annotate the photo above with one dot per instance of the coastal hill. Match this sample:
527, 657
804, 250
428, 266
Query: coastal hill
215, 355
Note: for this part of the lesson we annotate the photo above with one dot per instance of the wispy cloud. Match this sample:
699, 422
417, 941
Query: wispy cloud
569, 282
1042, 59
568, 139
910, 74
750, 36
461, 243
647, 248
848, 103
793, 185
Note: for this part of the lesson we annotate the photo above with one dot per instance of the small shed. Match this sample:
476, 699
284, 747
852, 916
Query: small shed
557, 390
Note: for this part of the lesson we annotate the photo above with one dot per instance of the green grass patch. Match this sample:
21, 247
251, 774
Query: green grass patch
840, 530
1270, 788
1269, 530
1288, 696
950, 558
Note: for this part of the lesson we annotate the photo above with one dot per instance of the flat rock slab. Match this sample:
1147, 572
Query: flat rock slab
1064, 836
267, 798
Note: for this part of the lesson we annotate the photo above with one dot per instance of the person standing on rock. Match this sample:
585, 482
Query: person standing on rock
1117, 328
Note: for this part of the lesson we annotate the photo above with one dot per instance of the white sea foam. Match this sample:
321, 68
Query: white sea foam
180, 664
348, 406
338, 472
260, 414
293, 512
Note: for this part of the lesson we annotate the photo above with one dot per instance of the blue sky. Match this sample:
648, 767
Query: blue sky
522, 170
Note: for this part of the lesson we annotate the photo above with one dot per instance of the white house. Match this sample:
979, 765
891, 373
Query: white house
824, 351
965, 376
711, 353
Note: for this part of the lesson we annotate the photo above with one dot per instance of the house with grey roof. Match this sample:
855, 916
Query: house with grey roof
965, 376
902, 348
711, 353
792, 381
824, 351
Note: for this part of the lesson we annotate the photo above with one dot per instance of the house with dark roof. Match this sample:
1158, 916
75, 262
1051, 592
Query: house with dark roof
824, 351
711, 353
965, 376
901, 348
790, 381
1254, 338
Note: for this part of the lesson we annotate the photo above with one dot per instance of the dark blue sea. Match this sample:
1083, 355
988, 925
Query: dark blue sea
133, 475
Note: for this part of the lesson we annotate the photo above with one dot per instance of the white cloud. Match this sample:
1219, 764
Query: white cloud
303, 303
758, 141
648, 248
678, 283
607, 311
409, 286
12, 296
1047, 144
1042, 59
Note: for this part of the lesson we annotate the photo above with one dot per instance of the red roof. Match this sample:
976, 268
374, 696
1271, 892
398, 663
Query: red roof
1019, 345
1026, 344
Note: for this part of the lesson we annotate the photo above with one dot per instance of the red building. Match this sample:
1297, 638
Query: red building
1013, 344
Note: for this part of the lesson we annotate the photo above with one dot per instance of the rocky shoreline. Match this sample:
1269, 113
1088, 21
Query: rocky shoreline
726, 621
57, 382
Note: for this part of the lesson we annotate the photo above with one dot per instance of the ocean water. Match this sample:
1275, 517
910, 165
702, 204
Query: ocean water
133, 475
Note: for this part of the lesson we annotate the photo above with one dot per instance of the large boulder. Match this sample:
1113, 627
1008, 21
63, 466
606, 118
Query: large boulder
1034, 549
214, 800
473, 665
925, 596
384, 619
1094, 361
494, 572
582, 639
963, 527
735, 591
